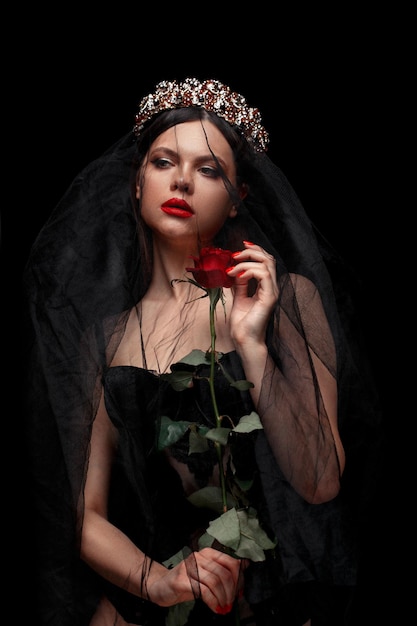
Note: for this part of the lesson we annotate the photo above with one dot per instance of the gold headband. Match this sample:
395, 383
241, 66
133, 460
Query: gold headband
211, 95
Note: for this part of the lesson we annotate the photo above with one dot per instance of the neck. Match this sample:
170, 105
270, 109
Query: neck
169, 264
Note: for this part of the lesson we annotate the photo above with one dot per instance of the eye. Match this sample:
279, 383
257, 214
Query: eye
161, 163
211, 172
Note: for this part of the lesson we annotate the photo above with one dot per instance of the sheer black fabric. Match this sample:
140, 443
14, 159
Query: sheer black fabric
81, 281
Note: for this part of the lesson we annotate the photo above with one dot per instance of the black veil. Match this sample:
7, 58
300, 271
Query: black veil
83, 273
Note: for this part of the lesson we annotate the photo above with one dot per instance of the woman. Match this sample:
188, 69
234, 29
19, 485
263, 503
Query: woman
114, 309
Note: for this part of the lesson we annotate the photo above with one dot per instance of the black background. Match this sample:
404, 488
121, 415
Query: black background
321, 90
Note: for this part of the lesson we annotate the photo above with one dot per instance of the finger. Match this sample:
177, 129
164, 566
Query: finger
205, 581
265, 279
219, 579
253, 251
257, 261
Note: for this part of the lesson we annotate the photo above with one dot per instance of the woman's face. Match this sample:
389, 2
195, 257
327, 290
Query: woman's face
181, 190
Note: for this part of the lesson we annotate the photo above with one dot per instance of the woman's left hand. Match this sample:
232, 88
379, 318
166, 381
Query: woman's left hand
250, 314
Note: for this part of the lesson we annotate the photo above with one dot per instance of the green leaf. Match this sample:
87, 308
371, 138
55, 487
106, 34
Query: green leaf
205, 541
247, 423
251, 529
249, 549
226, 529
210, 498
218, 434
240, 531
242, 385
195, 357
179, 379
198, 442
170, 431
244, 485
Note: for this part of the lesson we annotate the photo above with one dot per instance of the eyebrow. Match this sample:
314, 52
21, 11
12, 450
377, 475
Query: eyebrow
199, 159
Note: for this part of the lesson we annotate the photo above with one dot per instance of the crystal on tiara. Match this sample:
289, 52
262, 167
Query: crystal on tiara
211, 95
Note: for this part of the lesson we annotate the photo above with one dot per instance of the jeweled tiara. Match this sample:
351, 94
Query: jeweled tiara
211, 95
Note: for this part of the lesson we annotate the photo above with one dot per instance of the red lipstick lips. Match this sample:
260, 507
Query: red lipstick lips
177, 207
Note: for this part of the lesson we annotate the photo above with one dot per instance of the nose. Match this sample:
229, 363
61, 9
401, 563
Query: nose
182, 183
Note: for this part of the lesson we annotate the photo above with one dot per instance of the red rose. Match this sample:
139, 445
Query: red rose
209, 269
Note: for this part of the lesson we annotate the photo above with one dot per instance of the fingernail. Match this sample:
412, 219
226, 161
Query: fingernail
235, 254
229, 269
248, 243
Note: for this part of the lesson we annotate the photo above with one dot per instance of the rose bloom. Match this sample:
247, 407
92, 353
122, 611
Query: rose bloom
209, 269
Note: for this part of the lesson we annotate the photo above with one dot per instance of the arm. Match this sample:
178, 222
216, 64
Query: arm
111, 553
297, 402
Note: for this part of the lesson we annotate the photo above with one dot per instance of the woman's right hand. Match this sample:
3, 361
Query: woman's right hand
214, 577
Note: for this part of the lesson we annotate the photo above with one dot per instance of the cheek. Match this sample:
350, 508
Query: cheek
142, 177
223, 206
146, 187
214, 215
